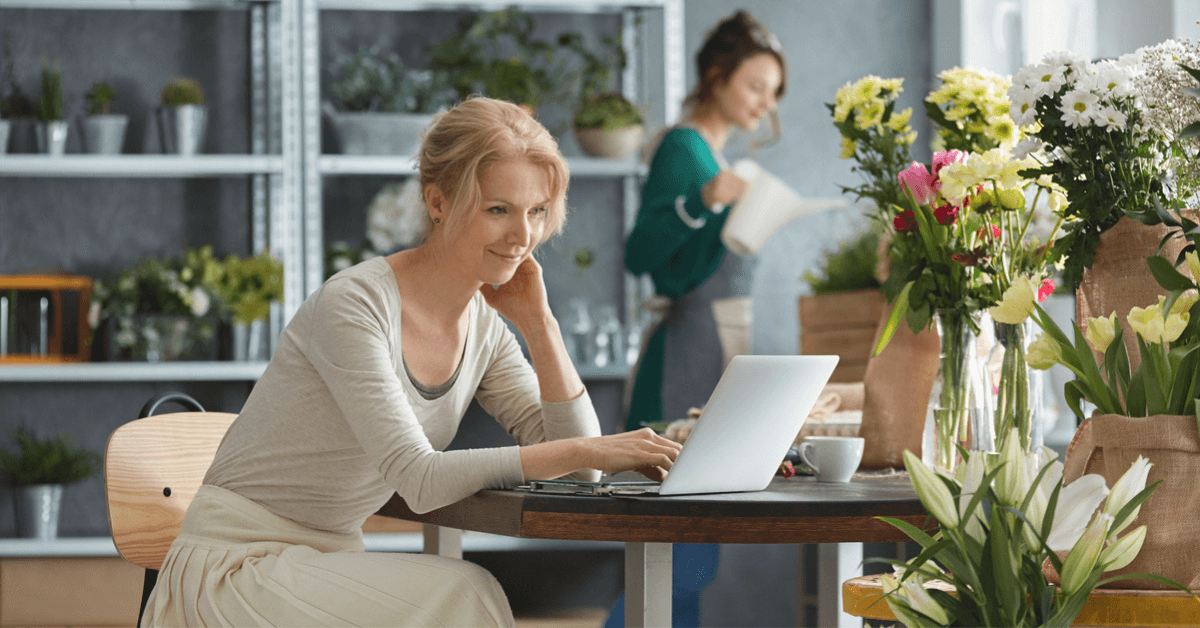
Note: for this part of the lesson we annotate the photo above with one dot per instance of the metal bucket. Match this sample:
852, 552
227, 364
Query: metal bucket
52, 137
36, 507
182, 128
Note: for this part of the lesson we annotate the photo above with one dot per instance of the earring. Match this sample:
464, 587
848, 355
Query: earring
437, 221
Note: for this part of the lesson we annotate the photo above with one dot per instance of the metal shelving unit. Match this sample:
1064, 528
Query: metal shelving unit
338, 165
273, 168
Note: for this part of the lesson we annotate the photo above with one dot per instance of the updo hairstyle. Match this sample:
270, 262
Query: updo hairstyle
465, 141
729, 43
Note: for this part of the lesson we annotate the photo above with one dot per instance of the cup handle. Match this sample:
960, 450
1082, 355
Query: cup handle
804, 448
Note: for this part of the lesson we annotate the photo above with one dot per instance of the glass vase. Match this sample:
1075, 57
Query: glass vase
958, 416
1017, 388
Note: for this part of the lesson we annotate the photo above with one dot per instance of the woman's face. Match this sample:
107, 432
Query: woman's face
749, 94
506, 226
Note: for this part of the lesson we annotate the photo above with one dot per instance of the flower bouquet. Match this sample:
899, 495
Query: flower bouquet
1000, 518
1088, 119
876, 136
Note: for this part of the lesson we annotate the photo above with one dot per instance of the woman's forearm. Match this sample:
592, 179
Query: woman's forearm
557, 378
554, 459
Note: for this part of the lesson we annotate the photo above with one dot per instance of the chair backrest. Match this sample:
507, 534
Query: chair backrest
152, 470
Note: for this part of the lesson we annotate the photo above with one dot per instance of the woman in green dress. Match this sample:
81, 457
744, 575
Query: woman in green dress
676, 239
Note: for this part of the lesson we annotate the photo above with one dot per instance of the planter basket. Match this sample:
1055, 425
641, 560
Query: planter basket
841, 324
1108, 444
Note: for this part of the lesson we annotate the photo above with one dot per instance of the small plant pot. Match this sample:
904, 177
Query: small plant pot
250, 341
617, 144
104, 134
182, 128
52, 137
5, 126
374, 133
36, 507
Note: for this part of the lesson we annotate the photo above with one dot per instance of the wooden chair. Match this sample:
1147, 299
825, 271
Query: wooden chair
863, 597
152, 469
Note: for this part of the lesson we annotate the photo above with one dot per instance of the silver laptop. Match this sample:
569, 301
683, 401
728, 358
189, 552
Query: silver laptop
751, 420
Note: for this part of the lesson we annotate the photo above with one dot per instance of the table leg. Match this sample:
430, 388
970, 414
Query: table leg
648, 585
836, 563
443, 541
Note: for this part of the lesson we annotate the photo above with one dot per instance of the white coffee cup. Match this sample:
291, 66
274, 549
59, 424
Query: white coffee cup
833, 458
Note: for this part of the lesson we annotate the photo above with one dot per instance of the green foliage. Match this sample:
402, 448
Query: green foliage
372, 81
850, 266
1193, 129
48, 461
495, 54
50, 107
607, 111
246, 287
182, 91
13, 102
99, 98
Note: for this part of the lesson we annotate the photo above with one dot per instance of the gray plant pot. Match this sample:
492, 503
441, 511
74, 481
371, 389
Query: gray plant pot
36, 507
182, 128
5, 125
373, 133
52, 137
104, 134
618, 144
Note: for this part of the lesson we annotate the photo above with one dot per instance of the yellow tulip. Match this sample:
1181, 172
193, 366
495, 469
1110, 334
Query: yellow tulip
1043, 353
1011, 199
1101, 331
1017, 303
1185, 302
1147, 322
1193, 263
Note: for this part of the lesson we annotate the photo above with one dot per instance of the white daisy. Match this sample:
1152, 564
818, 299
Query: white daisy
1109, 117
1078, 107
1026, 147
1047, 80
1067, 59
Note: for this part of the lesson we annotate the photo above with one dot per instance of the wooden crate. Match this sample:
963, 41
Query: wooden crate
841, 324
63, 343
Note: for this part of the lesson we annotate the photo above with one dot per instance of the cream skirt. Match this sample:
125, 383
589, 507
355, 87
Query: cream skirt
237, 564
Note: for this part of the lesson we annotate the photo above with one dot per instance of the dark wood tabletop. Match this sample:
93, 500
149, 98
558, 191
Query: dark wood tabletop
793, 510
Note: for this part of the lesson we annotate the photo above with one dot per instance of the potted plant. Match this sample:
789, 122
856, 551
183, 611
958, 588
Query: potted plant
38, 470
495, 54
607, 124
245, 289
841, 314
182, 118
14, 104
52, 132
378, 107
103, 131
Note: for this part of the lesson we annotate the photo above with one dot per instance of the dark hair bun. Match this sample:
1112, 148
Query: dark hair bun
732, 41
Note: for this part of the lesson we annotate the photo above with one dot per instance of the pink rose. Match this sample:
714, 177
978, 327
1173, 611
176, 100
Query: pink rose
1045, 290
905, 222
917, 180
946, 214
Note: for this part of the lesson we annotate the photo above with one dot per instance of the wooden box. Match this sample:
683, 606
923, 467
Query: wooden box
841, 324
44, 318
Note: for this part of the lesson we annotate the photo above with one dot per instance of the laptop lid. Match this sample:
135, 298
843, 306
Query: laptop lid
752, 418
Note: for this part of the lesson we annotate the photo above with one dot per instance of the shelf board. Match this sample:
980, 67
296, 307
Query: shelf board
607, 373
555, 6
134, 372
139, 5
404, 166
125, 166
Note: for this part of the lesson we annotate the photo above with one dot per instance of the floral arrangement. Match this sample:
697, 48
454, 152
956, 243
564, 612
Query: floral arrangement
370, 80
154, 287
971, 111
396, 218
1087, 120
340, 255
876, 136
1169, 89
245, 287
1168, 338
999, 519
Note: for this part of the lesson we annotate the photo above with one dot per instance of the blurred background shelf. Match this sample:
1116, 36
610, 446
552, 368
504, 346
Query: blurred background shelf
134, 372
139, 5
403, 166
129, 166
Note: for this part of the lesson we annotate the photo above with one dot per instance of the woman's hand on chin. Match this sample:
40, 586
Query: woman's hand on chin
522, 299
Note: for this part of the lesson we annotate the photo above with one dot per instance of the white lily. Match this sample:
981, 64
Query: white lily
1076, 503
972, 476
933, 493
1123, 550
1129, 485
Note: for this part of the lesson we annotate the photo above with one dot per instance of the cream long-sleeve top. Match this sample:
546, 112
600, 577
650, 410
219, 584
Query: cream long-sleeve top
335, 425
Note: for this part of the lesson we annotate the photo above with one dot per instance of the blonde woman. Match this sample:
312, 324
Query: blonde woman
369, 383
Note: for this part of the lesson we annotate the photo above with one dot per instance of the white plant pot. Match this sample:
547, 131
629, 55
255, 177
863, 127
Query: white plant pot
5, 125
618, 144
182, 128
373, 133
104, 134
52, 137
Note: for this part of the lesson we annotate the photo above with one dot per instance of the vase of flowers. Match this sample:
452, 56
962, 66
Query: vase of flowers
1000, 518
958, 416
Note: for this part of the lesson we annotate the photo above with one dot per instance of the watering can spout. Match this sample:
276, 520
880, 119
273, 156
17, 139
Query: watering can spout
766, 206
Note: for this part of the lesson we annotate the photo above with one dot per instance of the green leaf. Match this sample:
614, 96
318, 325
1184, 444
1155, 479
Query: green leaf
1166, 275
899, 307
1007, 591
1126, 511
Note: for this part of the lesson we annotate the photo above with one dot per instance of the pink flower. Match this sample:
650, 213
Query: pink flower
982, 233
905, 222
945, 158
946, 214
1045, 290
917, 180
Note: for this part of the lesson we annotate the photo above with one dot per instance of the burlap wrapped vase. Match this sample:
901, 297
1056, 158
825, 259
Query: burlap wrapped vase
1108, 444
1120, 279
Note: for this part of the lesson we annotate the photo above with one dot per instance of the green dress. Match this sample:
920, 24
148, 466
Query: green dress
677, 240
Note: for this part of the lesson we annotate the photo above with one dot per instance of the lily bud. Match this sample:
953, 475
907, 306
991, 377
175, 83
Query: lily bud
933, 493
1123, 550
1083, 556
1130, 484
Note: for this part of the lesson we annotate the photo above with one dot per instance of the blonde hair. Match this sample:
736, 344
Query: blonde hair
464, 142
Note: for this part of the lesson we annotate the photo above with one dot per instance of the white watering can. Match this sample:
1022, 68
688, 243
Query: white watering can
766, 206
